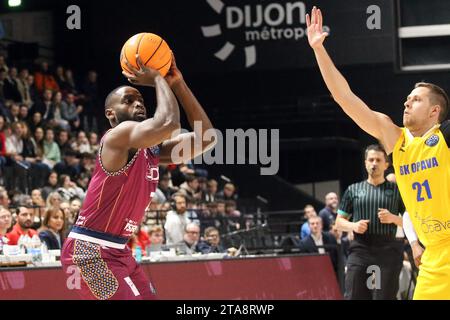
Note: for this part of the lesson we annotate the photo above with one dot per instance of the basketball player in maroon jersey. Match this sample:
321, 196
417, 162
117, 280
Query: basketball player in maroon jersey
124, 181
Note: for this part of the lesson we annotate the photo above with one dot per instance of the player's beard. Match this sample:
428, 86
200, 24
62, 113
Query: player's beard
123, 116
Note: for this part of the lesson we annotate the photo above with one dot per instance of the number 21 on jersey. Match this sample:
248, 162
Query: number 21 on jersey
418, 186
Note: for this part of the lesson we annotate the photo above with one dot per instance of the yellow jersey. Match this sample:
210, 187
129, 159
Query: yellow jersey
422, 170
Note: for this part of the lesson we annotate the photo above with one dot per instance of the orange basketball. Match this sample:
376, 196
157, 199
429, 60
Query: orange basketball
152, 49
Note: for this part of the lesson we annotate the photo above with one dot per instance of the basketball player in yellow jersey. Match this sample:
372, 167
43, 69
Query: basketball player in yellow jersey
421, 159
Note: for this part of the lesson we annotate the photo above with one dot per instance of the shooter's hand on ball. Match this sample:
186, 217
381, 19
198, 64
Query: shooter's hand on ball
173, 76
316, 36
145, 76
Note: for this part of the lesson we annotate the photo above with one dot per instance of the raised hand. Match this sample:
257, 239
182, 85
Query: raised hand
174, 75
316, 36
143, 76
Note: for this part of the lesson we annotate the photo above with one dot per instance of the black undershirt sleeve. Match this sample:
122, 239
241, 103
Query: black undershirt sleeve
445, 129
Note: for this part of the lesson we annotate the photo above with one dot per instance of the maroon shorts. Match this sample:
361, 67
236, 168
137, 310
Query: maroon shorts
104, 273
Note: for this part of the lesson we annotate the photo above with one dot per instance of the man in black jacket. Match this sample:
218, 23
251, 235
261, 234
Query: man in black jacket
319, 241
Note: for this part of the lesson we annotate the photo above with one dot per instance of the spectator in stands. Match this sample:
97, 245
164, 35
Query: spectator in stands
44, 80
202, 187
70, 82
25, 218
58, 118
4, 198
23, 112
10, 89
176, 220
328, 214
319, 241
230, 209
44, 106
74, 211
156, 234
92, 102
220, 216
93, 142
69, 165
211, 244
32, 155
81, 144
63, 142
52, 233
5, 112
69, 189
190, 239
24, 88
2, 144
32, 90
51, 185
14, 112
38, 142
54, 200
71, 112
190, 187
164, 190
5, 221
139, 238
39, 208
52, 153
3, 76
3, 64
308, 212
14, 150
85, 169
60, 79
211, 190
36, 122
228, 192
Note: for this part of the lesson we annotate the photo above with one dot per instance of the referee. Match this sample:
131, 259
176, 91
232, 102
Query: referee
373, 206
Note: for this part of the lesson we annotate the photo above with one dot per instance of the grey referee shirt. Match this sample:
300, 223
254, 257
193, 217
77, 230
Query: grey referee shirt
361, 201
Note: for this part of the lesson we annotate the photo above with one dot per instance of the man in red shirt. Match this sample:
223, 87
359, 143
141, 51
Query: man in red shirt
25, 218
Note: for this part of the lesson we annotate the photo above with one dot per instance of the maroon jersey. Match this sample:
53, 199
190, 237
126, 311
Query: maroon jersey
116, 201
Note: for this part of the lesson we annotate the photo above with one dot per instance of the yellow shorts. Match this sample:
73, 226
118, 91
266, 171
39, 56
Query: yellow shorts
433, 282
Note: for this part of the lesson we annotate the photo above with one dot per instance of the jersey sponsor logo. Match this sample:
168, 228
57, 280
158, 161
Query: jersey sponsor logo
434, 225
418, 166
432, 140
152, 173
80, 221
430, 225
389, 193
130, 227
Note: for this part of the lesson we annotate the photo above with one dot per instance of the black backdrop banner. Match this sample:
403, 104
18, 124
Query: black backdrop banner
233, 35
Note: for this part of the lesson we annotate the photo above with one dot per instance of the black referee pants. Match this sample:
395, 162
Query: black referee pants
382, 259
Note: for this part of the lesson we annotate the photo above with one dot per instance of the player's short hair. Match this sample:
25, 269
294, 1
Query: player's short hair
378, 148
108, 100
437, 96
